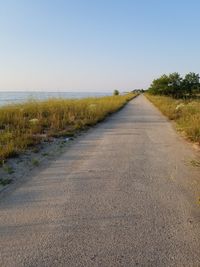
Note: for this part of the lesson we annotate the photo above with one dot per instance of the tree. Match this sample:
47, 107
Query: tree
116, 92
174, 85
191, 83
160, 86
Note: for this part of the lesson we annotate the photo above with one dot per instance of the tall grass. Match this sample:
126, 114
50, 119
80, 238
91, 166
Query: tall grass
23, 125
186, 114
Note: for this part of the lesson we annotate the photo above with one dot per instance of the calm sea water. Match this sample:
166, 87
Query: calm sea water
18, 97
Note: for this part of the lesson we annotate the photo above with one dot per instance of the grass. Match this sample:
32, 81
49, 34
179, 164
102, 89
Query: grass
186, 114
45, 154
35, 162
195, 163
8, 169
27, 124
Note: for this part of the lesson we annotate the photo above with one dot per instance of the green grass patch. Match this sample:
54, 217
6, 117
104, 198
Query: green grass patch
186, 114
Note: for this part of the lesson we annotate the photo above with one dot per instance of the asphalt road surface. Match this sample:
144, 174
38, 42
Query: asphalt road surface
123, 194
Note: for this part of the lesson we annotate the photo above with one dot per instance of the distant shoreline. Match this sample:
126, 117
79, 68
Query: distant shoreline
10, 97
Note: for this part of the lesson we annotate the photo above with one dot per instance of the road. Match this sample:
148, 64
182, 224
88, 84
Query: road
123, 194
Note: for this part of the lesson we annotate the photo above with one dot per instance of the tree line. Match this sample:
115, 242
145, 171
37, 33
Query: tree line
176, 86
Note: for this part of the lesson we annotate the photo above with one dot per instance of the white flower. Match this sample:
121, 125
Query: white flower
180, 106
34, 121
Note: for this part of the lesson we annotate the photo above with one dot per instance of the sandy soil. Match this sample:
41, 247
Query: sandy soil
33, 160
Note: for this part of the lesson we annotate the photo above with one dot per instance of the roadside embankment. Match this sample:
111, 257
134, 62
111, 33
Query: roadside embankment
186, 114
36, 128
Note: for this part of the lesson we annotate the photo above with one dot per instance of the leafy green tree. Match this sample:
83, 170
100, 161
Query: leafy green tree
160, 86
191, 83
175, 85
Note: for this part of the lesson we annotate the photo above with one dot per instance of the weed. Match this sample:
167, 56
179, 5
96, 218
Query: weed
195, 163
45, 154
35, 149
8, 169
5, 181
35, 162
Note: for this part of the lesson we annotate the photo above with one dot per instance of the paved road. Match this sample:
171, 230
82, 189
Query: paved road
124, 194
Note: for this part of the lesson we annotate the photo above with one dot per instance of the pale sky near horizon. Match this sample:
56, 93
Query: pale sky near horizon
96, 45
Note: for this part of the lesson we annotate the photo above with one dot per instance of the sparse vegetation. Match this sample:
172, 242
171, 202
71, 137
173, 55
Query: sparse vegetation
195, 163
35, 162
8, 169
186, 114
24, 125
35, 149
5, 181
178, 98
45, 154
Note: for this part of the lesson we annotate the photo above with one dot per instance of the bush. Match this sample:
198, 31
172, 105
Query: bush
116, 92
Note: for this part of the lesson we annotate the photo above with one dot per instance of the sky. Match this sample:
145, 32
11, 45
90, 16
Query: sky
96, 45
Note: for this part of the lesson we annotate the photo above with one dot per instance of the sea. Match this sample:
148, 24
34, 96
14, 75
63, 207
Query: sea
20, 97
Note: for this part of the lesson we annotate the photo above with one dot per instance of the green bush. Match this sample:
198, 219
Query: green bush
116, 92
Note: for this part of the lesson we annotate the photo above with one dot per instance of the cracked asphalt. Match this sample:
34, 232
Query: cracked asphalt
123, 194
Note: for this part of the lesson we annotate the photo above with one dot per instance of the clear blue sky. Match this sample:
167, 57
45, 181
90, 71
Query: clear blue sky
95, 45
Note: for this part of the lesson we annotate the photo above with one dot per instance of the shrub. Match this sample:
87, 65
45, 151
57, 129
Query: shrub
116, 92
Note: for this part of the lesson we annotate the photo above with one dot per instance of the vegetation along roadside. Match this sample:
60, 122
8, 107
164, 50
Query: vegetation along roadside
27, 124
179, 99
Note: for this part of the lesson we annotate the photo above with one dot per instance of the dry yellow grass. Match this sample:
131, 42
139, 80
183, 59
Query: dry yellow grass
23, 125
186, 113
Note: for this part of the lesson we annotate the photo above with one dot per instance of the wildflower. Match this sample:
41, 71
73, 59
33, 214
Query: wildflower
180, 106
34, 121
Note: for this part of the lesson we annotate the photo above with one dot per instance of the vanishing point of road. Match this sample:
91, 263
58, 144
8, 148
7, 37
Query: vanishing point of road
123, 194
